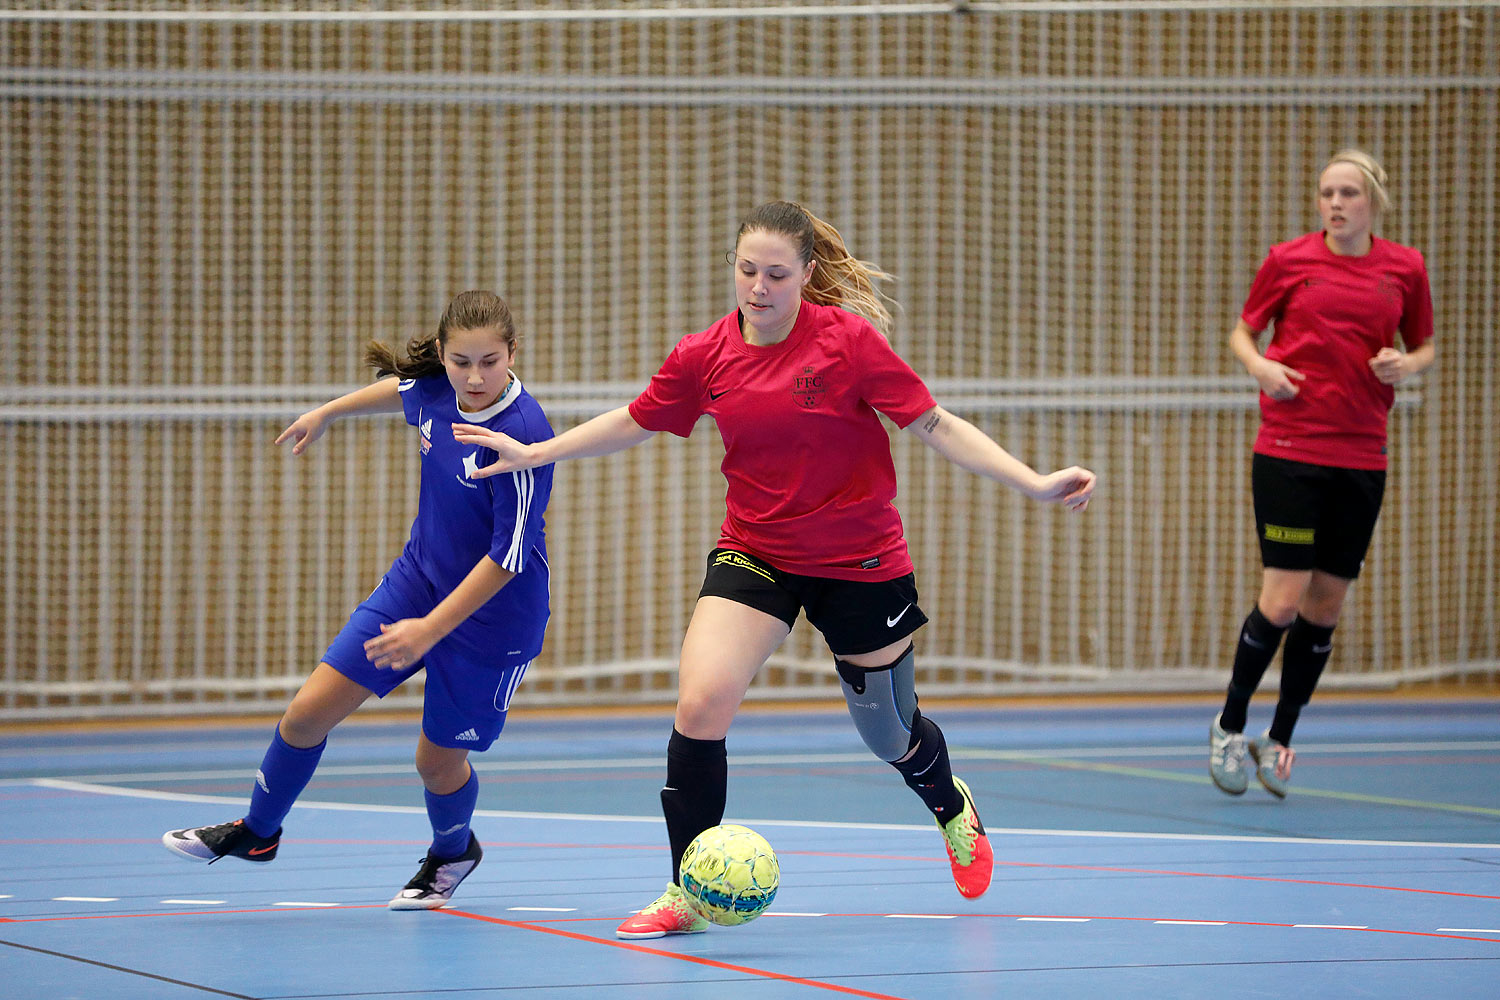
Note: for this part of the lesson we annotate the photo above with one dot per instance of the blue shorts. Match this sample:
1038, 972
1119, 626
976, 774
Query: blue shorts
471, 673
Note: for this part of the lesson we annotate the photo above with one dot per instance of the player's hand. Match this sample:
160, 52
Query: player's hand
1276, 379
1072, 487
511, 454
400, 645
304, 430
1389, 366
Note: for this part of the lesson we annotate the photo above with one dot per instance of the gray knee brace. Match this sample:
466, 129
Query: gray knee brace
883, 703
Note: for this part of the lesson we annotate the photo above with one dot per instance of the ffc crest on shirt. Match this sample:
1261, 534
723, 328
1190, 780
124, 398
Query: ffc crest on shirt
807, 388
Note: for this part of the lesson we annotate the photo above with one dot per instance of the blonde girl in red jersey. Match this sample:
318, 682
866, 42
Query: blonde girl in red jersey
794, 378
1340, 298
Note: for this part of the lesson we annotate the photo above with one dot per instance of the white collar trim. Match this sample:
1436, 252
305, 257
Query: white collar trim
511, 393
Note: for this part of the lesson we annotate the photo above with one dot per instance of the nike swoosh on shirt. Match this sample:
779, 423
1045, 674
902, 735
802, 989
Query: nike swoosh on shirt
891, 622
716, 395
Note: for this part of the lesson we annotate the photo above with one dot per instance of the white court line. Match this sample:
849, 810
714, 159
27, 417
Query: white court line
85, 899
107, 750
1471, 930
352, 770
1190, 751
541, 909
306, 904
69, 785
193, 902
790, 913
1041, 754
1057, 920
1196, 923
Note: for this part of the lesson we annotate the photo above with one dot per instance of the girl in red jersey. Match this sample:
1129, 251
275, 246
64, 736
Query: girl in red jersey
794, 378
1339, 299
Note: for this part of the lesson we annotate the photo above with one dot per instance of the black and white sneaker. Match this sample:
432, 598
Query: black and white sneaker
226, 840
433, 884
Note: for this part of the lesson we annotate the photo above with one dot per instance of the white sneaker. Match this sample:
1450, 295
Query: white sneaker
1226, 759
433, 884
1273, 763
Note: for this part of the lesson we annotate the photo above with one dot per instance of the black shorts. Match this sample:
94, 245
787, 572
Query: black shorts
1314, 516
853, 616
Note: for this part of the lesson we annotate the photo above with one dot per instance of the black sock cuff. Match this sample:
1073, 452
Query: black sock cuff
691, 749
933, 745
920, 724
1303, 630
1261, 628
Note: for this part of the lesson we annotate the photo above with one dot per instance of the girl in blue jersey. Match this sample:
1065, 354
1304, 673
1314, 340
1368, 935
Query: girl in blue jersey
467, 599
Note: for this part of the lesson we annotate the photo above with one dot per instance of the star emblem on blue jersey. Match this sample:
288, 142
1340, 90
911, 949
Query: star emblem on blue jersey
471, 466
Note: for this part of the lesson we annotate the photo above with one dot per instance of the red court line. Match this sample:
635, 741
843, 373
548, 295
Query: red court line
1153, 871
540, 926
695, 959
537, 926
333, 841
1227, 923
1246, 878
847, 854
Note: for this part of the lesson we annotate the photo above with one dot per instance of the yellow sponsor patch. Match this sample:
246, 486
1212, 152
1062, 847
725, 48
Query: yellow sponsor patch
730, 558
1291, 536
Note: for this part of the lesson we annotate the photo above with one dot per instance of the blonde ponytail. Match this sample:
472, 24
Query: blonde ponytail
840, 279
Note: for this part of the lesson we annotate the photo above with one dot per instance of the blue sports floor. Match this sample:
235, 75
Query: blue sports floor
1120, 871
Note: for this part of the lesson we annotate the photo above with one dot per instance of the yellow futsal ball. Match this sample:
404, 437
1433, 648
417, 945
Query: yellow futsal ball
729, 874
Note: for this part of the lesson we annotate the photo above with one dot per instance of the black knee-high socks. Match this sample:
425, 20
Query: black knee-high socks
1252, 655
928, 771
1302, 663
1307, 649
698, 781
697, 784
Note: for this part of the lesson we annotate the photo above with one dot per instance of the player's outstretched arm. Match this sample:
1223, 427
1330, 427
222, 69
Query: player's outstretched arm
607, 433
378, 397
968, 447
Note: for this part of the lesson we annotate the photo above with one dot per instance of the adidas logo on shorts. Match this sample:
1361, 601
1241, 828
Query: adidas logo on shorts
468, 734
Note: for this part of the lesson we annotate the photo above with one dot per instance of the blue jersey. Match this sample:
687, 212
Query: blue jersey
460, 520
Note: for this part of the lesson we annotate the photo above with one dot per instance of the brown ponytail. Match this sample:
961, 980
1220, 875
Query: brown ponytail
476, 310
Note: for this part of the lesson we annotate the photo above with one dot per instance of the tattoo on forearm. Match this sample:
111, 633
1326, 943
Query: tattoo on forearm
933, 420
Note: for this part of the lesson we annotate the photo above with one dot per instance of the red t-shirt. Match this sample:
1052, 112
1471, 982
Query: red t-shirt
811, 482
1332, 315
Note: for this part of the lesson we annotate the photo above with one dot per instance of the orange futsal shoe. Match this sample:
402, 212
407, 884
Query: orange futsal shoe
968, 848
670, 914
